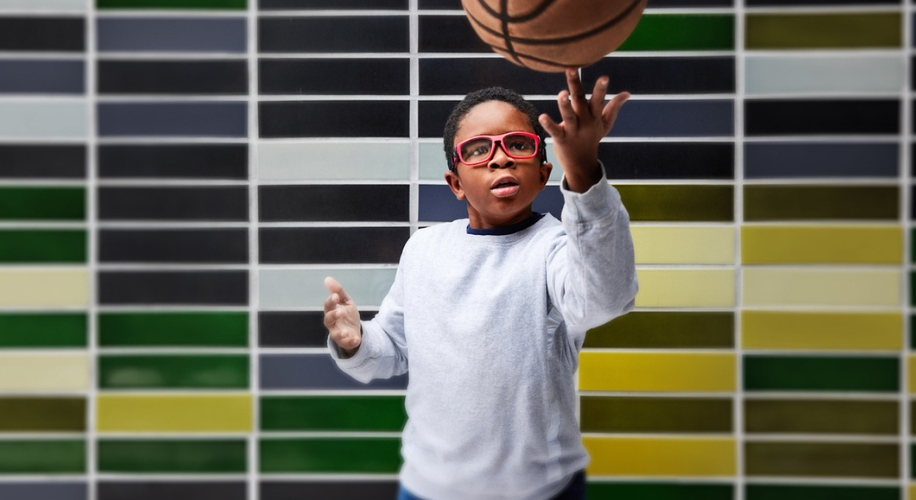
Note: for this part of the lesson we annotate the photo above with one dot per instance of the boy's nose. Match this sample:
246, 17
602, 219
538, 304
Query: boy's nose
500, 159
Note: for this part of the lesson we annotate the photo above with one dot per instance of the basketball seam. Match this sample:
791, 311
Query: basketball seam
505, 17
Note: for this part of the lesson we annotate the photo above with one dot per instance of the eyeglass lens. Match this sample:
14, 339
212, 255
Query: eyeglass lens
480, 149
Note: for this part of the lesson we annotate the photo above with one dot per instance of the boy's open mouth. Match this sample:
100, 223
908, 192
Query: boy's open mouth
505, 188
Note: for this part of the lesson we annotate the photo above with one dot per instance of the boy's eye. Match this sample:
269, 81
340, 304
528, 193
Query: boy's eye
521, 144
476, 149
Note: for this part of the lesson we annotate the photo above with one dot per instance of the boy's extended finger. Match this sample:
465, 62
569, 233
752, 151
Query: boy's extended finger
598, 95
567, 112
549, 125
609, 114
576, 90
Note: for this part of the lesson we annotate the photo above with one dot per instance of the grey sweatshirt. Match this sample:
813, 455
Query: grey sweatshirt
490, 327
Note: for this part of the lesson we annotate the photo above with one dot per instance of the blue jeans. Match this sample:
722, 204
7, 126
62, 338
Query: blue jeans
575, 490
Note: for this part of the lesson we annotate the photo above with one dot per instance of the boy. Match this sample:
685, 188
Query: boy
490, 312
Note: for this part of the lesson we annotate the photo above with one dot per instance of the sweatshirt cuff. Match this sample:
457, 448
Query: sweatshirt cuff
599, 201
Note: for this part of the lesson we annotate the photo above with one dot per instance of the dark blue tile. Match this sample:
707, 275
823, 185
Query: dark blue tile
693, 118
173, 119
42, 77
314, 371
168, 34
823, 159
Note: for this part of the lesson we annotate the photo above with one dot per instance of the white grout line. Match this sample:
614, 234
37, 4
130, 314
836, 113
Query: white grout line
253, 256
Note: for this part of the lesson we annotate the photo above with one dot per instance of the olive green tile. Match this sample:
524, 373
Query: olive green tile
614, 490
330, 455
333, 413
43, 203
42, 414
173, 4
683, 203
58, 246
682, 32
857, 30
666, 330
172, 456
820, 492
651, 414
58, 456
821, 373
806, 459
768, 203
43, 330
162, 329
790, 416
173, 371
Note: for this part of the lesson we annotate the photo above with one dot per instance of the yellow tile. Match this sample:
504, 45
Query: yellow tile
911, 489
646, 456
44, 287
911, 374
821, 287
821, 245
827, 331
685, 288
174, 413
44, 372
651, 371
683, 244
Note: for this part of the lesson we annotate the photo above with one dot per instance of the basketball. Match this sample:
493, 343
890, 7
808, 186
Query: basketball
551, 35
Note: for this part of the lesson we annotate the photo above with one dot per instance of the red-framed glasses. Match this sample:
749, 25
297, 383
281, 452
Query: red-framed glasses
480, 149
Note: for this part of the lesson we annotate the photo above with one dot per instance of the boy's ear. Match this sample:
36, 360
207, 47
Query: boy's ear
546, 168
454, 183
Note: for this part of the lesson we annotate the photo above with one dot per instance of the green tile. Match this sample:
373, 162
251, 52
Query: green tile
173, 371
820, 492
331, 455
767, 203
43, 330
651, 414
173, 455
43, 246
821, 373
58, 456
683, 203
601, 490
823, 31
666, 330
43, 203
190, 329
788, 416
333, 413
172, 4
840, 460
42, 414
682, 32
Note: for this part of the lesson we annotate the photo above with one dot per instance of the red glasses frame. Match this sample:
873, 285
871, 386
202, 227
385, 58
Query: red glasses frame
499, 139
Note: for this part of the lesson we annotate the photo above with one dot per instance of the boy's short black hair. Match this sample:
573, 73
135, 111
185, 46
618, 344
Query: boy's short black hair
481, 96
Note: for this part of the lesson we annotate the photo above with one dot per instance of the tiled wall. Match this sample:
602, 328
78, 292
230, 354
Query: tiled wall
177, 177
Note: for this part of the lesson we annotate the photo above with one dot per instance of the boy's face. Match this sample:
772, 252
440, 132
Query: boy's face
499, 192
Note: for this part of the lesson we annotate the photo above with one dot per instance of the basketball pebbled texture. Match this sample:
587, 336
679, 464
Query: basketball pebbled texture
550, 35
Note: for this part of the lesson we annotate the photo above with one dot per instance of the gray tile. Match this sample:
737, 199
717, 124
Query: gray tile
168, 34
305, 287
58, 119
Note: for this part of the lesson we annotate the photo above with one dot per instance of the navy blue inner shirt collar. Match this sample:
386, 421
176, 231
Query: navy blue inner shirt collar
514, 228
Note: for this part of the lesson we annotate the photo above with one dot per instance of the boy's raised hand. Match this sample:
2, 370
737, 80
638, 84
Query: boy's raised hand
585, 122
341, 318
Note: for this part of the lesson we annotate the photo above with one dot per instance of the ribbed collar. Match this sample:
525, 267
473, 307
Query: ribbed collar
514, 228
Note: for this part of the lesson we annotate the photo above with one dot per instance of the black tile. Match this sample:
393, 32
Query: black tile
433, 114
334, 34
440, 4
173, 119
763, 3
386, 203
666, 75
334, 76
314, 371
204, 246
44, 34
814, 117
176, 490
449, 76
332, 4
173, 77
295, 328
450, 34
173, 287
47, 161
338, 490
668, 160
334, 119
367, 245
42, 77
223, 203
185, 161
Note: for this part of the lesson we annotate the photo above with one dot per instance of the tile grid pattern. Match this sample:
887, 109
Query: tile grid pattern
266, 276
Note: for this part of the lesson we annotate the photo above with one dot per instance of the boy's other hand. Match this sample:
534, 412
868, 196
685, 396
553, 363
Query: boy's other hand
585, 122
341, 318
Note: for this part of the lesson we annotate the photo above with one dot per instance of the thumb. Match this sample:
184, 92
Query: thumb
334, 287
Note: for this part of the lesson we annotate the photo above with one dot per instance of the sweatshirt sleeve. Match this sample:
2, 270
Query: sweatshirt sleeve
591, 269
383, 350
